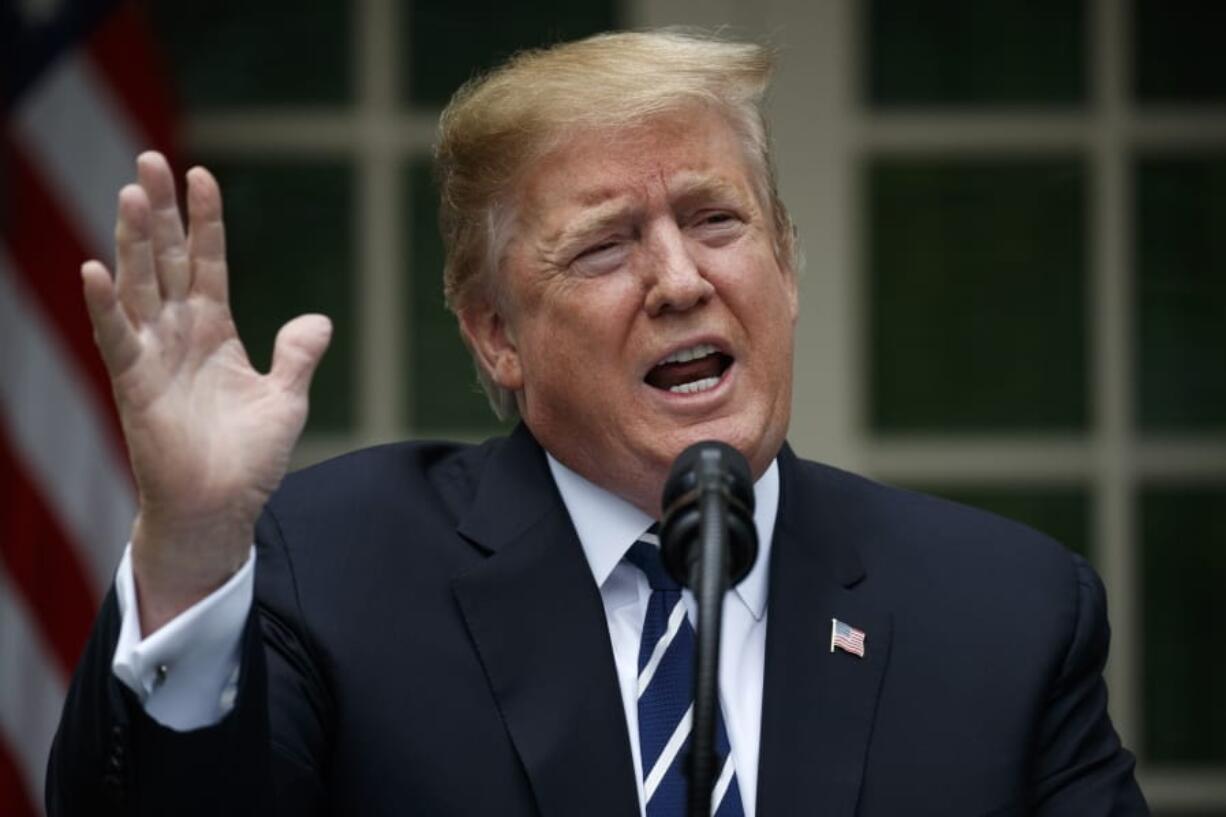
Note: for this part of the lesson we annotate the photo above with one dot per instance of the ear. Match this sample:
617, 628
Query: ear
493, 344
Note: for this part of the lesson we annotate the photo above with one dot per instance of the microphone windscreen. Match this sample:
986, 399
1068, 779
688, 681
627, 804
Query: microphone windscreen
708, 468
709, 454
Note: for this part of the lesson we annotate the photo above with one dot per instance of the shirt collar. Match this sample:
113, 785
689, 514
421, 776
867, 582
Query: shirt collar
607, 525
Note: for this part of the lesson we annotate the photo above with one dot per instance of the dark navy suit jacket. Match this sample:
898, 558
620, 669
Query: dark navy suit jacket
427, 639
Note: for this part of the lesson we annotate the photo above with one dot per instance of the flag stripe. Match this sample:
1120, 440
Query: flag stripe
69, 128
31, 691
121, 54
59, 436
46, 253
42, 565
13, 788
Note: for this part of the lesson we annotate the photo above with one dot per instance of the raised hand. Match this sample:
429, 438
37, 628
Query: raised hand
209, 437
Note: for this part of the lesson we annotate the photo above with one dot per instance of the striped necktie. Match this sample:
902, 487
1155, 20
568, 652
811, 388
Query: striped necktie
666, 697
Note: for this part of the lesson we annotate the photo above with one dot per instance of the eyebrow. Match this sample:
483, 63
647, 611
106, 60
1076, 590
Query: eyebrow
704, 186
604, 210
592, 221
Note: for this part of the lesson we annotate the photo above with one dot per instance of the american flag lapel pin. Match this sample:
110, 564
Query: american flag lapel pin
846, 638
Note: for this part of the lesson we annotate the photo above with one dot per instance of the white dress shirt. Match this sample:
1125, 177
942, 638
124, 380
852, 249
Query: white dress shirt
186, 673
607, 526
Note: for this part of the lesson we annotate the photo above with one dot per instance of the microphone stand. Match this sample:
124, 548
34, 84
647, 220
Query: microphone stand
709, 543
709, 577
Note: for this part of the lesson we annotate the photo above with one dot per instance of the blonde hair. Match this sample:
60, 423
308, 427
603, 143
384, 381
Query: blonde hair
497, 125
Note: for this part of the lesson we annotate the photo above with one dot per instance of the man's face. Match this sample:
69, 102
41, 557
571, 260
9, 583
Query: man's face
643, 308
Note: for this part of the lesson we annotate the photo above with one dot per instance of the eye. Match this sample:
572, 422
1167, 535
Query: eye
598, 249
716, 226
601, 257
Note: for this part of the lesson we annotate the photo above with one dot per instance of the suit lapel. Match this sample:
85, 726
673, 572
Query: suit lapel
536, 618
818, 706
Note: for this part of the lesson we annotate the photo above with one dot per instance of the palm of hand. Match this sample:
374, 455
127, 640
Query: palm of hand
208, 436
207, 433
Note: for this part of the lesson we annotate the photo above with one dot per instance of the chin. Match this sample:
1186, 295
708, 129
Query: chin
754, 438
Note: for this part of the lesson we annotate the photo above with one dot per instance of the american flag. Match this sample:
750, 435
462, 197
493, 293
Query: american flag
82, 96
846, 638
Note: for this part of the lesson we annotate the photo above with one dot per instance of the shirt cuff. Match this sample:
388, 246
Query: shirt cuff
186, 673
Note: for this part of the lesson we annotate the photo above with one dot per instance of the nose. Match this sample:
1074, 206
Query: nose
675, 281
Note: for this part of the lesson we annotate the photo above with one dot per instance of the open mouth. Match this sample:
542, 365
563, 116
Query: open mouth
690, 370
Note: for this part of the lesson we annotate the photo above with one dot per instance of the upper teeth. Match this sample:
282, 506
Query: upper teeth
692, 353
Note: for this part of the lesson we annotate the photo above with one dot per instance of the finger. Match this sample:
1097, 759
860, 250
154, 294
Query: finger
115, 337
300, 345
206, 240
136, 282
166, 226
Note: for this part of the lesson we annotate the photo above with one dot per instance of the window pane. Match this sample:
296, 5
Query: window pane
1181, 292
290, 246
1183, 536
444, 395
272, 52
449, 42
977, 294
1178, 50
1061, 513
958, 53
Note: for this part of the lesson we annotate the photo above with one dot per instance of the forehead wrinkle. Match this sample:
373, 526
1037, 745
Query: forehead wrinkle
605, 206
602, 203
697, 185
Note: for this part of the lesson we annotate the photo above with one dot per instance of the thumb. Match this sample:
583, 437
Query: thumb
300, 345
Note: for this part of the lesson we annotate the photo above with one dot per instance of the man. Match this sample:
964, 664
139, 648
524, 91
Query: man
442, 629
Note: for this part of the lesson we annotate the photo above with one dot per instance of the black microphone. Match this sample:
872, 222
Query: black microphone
709, 543
708, 469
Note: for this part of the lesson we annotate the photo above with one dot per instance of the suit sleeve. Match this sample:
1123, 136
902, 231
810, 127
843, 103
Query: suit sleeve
1082, 770
267, 756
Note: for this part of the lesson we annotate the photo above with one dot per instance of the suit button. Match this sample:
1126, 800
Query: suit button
112, 784
114, 760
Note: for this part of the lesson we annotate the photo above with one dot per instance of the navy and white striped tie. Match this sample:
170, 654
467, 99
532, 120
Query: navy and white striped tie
666, 697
